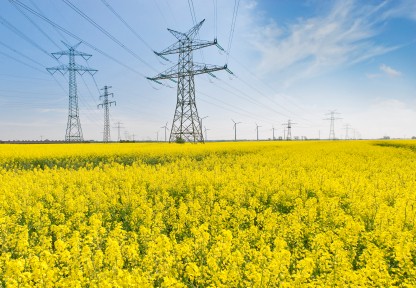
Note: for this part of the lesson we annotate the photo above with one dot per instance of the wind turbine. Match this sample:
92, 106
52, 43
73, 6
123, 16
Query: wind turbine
235, 129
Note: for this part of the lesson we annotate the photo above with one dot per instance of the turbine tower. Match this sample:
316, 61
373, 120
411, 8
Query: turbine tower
106, 104
73, 128
186, 125
235, 129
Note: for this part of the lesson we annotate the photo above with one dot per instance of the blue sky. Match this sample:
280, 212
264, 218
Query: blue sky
292, 60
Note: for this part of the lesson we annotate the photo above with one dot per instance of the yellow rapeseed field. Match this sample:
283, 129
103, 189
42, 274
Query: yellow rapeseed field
259, 214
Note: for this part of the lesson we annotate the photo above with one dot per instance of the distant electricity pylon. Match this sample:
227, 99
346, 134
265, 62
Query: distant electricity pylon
166, 128
186, 124
106, 104
288, 126
73, 128
235, 129
347, 128
332, 118
273, 133
257, 130
118, 126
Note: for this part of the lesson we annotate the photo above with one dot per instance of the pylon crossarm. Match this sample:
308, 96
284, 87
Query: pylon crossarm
161, 56
206, 68
173, 73
76, 67
177, 47
86, 56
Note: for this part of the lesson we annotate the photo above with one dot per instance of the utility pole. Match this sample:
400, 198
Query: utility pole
73, 128
166, 128
186, 125
106, 104
235, 129
347, 127
133, 136
157, 136
332, 118
206, 135
273, 133
118, 126
288, 126
257, 129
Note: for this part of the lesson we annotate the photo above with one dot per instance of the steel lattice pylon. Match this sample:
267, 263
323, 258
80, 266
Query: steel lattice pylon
186, 124
332, 118
73, 128
106, 105
288, 125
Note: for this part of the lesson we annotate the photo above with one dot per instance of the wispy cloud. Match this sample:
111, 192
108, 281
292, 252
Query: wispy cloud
385, 71
389, 71
309, 47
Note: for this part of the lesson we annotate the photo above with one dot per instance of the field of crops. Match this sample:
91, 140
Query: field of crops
259, 214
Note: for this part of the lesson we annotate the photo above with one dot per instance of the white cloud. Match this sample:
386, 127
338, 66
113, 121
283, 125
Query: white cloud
389, 71
319, 44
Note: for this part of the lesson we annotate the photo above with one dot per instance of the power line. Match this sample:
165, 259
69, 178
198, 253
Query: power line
126, 24
36, 25
44, 18
233, 21
8, 25
57, 31
105, 32
21, 54
21, 62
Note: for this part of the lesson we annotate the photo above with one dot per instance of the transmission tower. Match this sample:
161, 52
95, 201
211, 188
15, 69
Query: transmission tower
118, 128
106, 105
73, 128
288, 126
273, 132
186, 124
347, 128
235, 129
332, 118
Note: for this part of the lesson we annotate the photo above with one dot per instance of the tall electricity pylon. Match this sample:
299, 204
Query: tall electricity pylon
186, 124
273, 133
106, 104
332, 118
73, 128
257, 130
235, 129
288, 126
